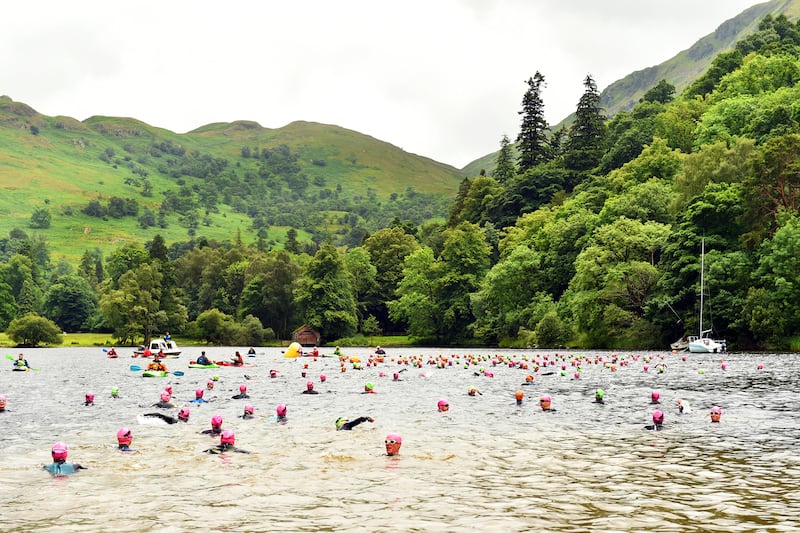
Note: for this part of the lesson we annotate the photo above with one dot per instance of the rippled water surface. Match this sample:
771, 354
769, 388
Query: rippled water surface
486, 465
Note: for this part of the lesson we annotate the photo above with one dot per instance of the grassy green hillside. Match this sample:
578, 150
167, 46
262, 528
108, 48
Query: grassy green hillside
61, 164
680, 70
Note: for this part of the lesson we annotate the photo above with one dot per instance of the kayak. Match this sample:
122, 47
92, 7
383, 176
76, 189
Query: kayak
154, 374
228, 363
20, 369
193, 364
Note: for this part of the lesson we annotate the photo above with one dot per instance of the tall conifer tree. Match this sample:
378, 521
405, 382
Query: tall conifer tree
587, 135
532, 138
504, 164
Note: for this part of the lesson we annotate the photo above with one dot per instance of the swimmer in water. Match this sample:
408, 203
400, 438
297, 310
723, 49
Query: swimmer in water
124, 439
519, 396
216, 426
226, 444
2, 403
716, 414
60, 466
544, 402
654, 397
164, 402
249, 412
369, 388
346, 424
88, 398
280, 414
310, 388
472, 391
658, 421
198, 396
684, 407
242, 393
393, 442
183, 416
443, 406
528, 380
114, 392
599, 394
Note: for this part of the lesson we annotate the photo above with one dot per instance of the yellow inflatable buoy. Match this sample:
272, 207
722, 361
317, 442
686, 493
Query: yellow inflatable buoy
293, 350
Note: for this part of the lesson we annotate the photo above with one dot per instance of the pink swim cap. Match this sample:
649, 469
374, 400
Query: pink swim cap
183, 414
281, 410
124, 436
59, 451
216, 421
545, 398
716, 410
658, 416
227, 437
322, 377
394, 437
243, 388
442, 404
168, 388
165, 397
655, 395
89, 396
309, 385
198, 393
249, 409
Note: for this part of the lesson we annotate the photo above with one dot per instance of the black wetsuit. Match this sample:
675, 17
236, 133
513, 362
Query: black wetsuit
222, 448
310, 391
166, 418
241, 396
353, 423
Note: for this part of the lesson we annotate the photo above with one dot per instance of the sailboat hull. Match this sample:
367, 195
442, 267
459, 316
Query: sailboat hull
706, 345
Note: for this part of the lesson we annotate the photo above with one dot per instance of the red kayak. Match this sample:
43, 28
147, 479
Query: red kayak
230, 363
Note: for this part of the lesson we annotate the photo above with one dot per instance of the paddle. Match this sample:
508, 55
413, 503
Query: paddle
137, 368
11, 358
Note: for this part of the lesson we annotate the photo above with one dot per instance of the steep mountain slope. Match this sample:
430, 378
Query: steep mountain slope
680, 70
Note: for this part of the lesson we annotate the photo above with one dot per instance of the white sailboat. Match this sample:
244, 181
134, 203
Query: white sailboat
704, 343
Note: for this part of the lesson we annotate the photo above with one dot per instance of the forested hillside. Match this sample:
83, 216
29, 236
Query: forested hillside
588, 238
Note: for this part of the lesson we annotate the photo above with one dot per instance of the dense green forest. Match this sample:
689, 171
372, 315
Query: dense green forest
588, 236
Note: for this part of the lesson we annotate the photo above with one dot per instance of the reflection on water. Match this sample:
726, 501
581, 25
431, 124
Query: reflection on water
484, 465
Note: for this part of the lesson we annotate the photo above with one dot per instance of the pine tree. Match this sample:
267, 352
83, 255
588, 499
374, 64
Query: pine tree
532, 138
586, 138
504, 164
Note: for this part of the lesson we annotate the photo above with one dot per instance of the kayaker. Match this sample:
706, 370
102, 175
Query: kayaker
147, 352
60, 466
156, 365
237, 360
315, 352
203, 360
380, 351
21, 362
226, 444
337, 351
112, 353
346, 424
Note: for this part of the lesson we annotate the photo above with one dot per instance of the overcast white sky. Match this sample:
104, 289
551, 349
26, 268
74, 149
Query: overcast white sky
439, 78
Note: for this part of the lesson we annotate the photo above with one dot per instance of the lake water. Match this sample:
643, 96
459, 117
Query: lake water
485, 465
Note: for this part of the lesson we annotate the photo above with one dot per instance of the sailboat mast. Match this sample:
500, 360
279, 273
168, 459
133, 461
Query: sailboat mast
702, 291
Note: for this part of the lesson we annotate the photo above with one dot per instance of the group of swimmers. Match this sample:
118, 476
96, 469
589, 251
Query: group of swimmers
392, 441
